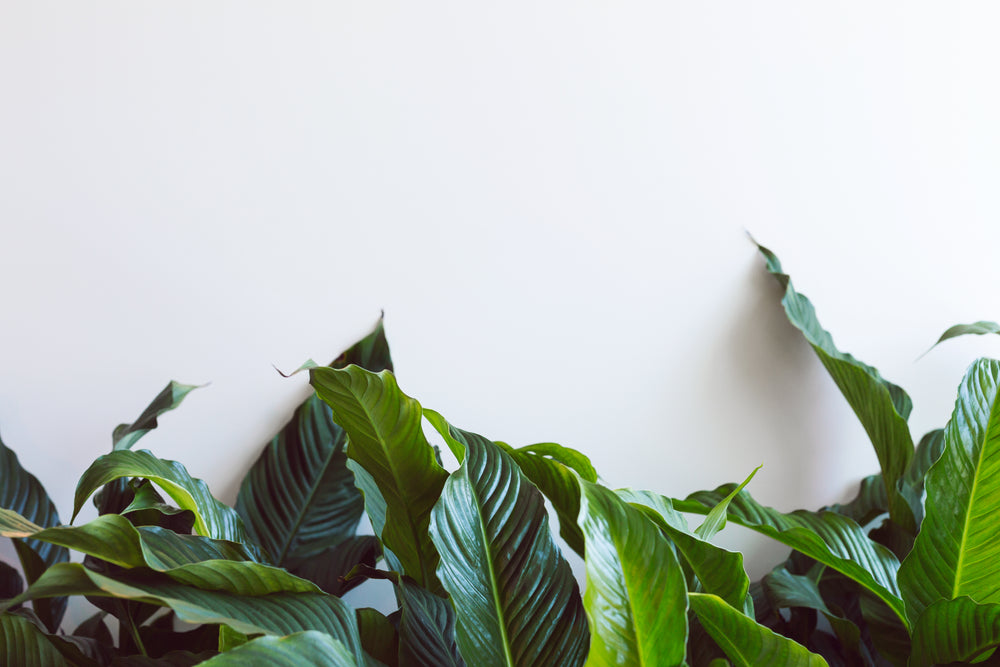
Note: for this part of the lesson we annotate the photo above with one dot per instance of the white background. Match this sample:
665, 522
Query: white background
548, 200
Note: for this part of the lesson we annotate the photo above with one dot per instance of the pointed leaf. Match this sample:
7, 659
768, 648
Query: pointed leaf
976, 328
716, 519
301, 649
126, 435
746, 642
379, 638
25, 645
212, 518
881, 406
635, 597
957, 551
426, 628
515, 597
830, 538
328, 569
386, 438
21, 492
952, 631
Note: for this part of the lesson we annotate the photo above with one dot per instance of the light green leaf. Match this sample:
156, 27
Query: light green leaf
953, 631
301, 649
957, 552
976, 328
212, 518
515, 597
126, 435
716, 519
635, 597
386, 438
881, 406
830, 538
746, 642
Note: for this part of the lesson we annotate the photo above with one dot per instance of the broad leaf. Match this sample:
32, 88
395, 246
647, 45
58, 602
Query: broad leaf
148, 509
170, 659
126, 435
386, 438
50, 610
24, 644
958, 630
515, 597
301, 649
328, 569
957, 552
212, 518
375, 508
881, 406
635, 597
379, 637
746, 642
11, 583
426, 628
21, 492
830, 538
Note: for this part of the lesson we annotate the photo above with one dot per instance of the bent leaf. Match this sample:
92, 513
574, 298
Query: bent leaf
635, 596
212, 518
830, 538
21, 492
979, 328
24, 644
426, 628
515, 597
716, 519
126, 435
881, 406
957, 551
300, 649
387, 440
745, 642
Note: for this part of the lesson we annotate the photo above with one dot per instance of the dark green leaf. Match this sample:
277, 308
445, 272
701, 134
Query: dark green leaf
328, 569
881, 406
11, 583
95, 628
635, 597
50, 610
171, 659
386, 438
426, 628
379, 638
126, 435
515, 597
24, 644
148, 509
958, 630
302, 649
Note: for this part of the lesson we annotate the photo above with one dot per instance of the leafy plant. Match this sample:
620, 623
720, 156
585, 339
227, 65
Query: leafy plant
907, 573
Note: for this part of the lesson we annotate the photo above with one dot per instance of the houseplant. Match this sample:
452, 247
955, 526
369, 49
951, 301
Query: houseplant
888, 578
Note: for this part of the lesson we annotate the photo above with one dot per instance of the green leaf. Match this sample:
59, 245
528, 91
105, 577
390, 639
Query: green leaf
21, 492
301, 649
720, 572
230, 639
881, 406
957, 552
426, 628
515, 597
976, 328
126, 435
746, 642
379, 638
170, 659
249, 597
635, 597
51, 610
11, 583
716, 519
212, 518
148, 509
375, 508
328, 569
24, 644
830, 538
386, 438
959, 630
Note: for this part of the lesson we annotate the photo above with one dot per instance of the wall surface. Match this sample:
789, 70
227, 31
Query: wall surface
549, 201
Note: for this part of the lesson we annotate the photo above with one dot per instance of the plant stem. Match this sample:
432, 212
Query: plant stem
134, 631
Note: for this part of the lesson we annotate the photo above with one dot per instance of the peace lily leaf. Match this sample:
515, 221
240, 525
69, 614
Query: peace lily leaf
249, 597
375, 508
635, 596
230, 639
868, 504
716, 519
301, 649
830, 538
379, 638
746, 642
24, 644
426, 628
50, 610
95, 628
515, 597
170, 659
328, 569
720, 572
979, 328
957, 551
928, 452
11, 583
958, 630
21, 492
386, 438
881, 406
148, 509
212, 518
549, 467
126, 435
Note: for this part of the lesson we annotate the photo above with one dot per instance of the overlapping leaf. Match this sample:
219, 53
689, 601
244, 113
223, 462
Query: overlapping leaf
952, 631
126, 435
830, 538
515, 597
387, 440
21, 492
426, 628
301, 649
881, 406
24, 644
635, 597
957, 552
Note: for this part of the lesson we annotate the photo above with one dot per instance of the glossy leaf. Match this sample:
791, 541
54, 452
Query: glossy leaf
301, 649
126, 435
957, 552
212, 518
979, 328
830, 538
375, 508
328, 569
50, 610
21, 492
386, 438
745, 642
426, 628
24, 644
716, 519
959, 630
515, 597
881, 406
635, 597
379, 638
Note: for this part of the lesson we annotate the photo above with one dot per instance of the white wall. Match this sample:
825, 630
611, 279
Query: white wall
548, 200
